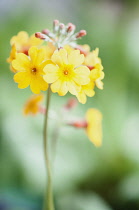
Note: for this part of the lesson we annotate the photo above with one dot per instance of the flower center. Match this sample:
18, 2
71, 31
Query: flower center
34, 71
66, 72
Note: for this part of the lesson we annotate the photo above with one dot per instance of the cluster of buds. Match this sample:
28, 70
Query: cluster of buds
62, 35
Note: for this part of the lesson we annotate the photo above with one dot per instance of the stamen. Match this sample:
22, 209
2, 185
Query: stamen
66, 72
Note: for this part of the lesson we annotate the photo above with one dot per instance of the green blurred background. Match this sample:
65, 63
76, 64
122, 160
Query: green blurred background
85, 177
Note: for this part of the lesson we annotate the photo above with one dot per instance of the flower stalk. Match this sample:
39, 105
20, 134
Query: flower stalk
48, 199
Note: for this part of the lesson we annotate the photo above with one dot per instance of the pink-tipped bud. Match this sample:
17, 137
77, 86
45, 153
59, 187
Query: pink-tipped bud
81, 34
71, 103
45, 31
78, 124
40, 35
62, 26
56, 23
71, 27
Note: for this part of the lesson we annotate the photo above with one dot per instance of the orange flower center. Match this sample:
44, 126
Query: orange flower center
34, 71
66, 72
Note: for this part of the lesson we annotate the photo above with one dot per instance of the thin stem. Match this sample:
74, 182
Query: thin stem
48, 200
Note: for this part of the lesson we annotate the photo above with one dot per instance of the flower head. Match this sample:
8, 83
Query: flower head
30, 70
32, 106
67, 72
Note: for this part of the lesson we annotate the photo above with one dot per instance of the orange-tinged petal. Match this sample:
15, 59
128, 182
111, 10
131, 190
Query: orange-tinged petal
23, 79
94, 127
75, 58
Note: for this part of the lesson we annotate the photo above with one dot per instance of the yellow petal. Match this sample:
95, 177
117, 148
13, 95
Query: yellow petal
51, 74
20, 40
94, 127
73, 87
41, 56
63, 89
37, 84
21, 63
81, 97
56, 86
33, 53
56, 58
82, 75
23, 79
75, 58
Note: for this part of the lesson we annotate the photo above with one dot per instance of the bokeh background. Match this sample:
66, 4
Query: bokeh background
85, 177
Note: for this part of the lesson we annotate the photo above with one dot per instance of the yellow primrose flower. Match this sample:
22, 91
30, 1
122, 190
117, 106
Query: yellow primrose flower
32, 106
23, 42
30, 70
94, 64
94, 126
86, 90
67, 72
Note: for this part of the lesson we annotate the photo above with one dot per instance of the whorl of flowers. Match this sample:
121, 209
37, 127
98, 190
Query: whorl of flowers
62, 63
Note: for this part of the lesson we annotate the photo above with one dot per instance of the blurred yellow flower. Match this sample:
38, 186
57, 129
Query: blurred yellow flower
30, 69
94, 126
21, 44
32, 106
67, 72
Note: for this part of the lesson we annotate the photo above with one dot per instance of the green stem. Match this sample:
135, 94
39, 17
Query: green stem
48, 200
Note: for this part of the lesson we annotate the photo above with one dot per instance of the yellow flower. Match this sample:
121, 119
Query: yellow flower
86, 90
23, 42
30, 70
94, 126
66, 73
32, 106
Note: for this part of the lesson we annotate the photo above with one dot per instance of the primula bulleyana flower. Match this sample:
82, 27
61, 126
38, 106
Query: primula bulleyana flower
94, 64
66, 73
94, 126
21, 44
30, 70
32, 106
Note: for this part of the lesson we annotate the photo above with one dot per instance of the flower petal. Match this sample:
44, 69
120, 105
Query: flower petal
81, 97
51, 74
63, 89
21, 63
23, 79
60, 57
75, 58
56, 86
33, 53
73, 87
82, 75
37, 84
94, 128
